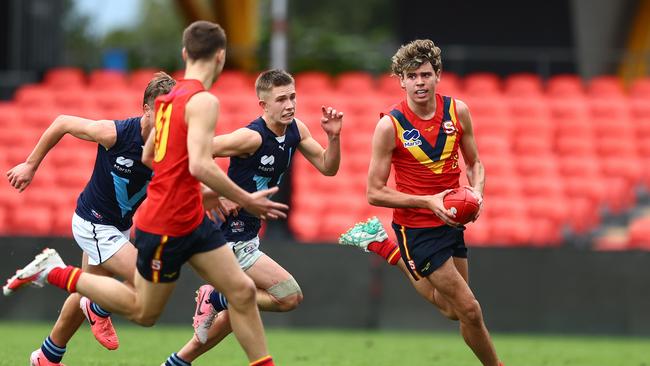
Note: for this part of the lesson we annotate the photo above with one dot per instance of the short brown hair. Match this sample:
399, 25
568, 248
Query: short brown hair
414, 54
272, 78
202, 39
160, 84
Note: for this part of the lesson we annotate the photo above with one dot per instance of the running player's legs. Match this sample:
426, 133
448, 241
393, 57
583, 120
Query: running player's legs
71, 317
277, 290
452, 286
220, 268
429, 293
121, 263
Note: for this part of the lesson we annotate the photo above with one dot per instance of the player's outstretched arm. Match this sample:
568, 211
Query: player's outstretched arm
241, 142
201, 112
475, 169
328, 160
379, 194
102, 132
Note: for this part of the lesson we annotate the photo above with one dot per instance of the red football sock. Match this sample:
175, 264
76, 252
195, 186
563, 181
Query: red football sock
387, 249
264, 361
65, 278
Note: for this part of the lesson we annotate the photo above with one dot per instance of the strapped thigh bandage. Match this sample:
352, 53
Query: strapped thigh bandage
285, 288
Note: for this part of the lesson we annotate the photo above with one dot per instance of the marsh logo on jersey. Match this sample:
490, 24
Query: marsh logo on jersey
123, 164
121, 160
411, 138
267, 160
448, 127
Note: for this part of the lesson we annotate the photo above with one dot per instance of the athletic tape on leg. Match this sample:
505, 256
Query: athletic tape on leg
285, 288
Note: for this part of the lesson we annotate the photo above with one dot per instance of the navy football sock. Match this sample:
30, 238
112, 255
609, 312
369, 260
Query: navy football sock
51, 351
218, 301
174, 360
97, 310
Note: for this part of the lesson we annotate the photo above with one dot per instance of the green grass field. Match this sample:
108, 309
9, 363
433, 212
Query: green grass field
142, 346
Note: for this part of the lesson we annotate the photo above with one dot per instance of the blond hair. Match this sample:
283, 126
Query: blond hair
414, 54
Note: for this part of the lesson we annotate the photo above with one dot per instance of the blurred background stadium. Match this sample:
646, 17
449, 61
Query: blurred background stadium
560, 97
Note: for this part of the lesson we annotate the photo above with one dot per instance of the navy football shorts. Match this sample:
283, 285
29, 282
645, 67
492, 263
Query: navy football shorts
160, 257
426, 249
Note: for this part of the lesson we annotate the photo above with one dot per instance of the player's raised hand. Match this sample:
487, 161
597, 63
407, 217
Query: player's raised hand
20, 176
332, 121
264, 208
437, 205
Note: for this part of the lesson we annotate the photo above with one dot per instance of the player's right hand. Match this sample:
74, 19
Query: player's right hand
20, 176
261, 206
437, 205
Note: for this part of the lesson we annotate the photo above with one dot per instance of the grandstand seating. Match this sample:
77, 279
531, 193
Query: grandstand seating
558, 153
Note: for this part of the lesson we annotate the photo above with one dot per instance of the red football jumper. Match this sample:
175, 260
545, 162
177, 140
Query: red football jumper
174, 205
425, 157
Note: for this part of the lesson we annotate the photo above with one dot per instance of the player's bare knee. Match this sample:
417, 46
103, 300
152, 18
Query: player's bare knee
145, 320
243, 293
471, 312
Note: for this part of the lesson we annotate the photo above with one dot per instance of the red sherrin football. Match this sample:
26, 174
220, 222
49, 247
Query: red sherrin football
463, 202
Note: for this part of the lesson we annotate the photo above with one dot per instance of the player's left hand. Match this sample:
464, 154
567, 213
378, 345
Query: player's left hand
479, 198
332, 121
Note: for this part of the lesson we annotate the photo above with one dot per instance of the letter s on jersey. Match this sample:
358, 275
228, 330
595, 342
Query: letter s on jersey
449, 127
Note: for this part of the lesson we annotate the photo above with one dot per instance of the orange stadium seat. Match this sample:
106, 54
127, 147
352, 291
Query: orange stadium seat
4, 222
531, 145
65, 78
39, 117
482, 83
556, 211
565, 85
139, 79
31, 220
104, 79
313, 82
528, 107
579, 166
389, 85
34, 96
523, 85
595, 190
640, 88
611, 107
477, 234
639, 107
486, 106
11, 115
575, 145
511, 230
544, 232
534, 128
606, 86
568, 107
74, 100
355, 83
617, 146
550, 187
501, 127
450, 84
639, 234
234, 81
536, 166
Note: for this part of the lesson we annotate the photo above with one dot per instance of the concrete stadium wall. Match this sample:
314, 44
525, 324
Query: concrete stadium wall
560, 290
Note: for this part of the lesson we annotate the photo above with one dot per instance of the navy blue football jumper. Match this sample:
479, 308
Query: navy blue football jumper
262, 170
119, 181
